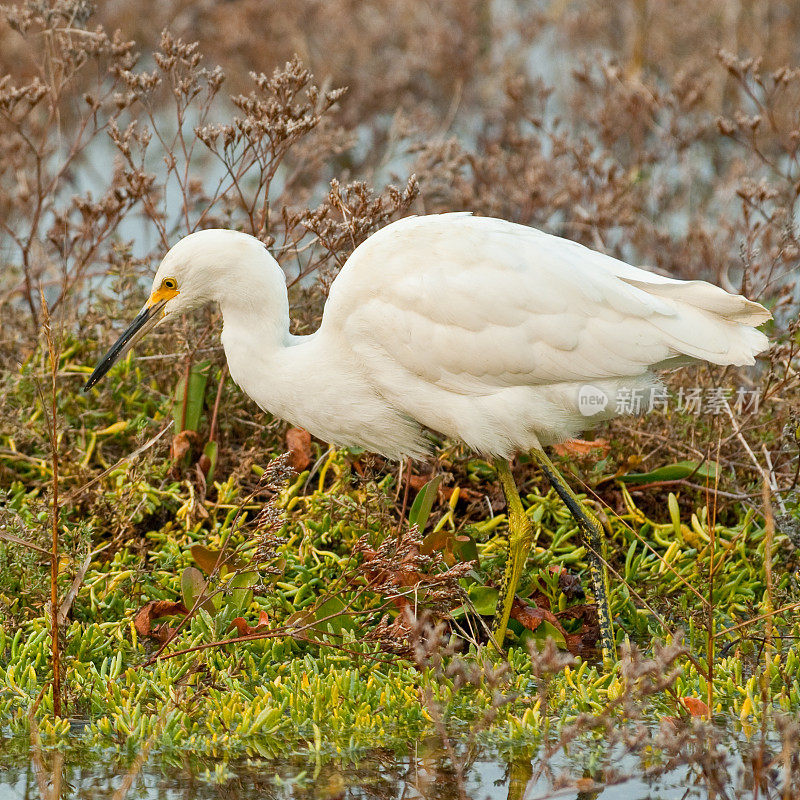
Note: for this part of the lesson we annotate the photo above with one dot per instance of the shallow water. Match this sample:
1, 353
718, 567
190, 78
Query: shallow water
423, 772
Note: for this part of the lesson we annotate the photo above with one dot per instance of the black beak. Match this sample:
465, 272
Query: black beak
147, 319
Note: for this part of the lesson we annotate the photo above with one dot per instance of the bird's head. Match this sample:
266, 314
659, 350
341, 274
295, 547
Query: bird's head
191, 274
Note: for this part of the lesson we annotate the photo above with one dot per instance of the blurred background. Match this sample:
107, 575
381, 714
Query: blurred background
666, 134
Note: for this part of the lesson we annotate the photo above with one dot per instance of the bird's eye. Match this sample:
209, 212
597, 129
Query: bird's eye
169, 283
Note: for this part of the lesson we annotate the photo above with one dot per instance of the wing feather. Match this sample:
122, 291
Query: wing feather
474, 305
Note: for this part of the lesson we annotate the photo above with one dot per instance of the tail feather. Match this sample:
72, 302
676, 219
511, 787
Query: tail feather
700, 294
709, 324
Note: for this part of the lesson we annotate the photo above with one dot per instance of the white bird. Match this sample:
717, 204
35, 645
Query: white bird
480, 329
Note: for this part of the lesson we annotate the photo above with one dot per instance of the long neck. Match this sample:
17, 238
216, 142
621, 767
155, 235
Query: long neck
255, 311
307, 380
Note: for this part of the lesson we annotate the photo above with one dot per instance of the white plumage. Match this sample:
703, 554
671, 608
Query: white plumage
480, 329
477, 328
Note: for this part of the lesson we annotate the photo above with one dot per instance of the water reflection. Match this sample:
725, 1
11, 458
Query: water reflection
424, 772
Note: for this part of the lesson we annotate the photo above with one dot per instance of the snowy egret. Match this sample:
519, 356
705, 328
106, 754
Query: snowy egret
488, 332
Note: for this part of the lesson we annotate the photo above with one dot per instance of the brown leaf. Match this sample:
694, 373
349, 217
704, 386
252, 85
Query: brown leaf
207, 559
586, 614
298, 443
696, 707
358, 467
568, 582
182, 444
581, 447
435, 540
532, 617
243, 629
470, 495
143, 621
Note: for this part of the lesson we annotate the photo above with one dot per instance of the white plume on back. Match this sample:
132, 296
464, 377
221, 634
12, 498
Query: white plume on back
486, 330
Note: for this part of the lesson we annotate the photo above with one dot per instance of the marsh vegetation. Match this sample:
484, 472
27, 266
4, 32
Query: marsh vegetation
191, 589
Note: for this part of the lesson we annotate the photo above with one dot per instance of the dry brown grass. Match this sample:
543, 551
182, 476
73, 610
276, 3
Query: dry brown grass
655, 132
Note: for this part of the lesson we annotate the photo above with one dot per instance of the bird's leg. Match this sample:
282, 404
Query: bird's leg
593, 539
520, 538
